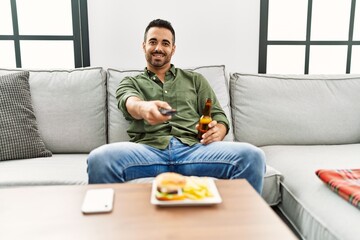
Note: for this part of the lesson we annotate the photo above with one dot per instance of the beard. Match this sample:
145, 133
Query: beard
157, 62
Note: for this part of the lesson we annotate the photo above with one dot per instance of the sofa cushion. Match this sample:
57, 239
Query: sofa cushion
60, 169
295, 109
216, 76
70, 107
117, 124
20, 137
271, 189
314, 210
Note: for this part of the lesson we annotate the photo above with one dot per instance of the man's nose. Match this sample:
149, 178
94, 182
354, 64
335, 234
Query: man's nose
158, 47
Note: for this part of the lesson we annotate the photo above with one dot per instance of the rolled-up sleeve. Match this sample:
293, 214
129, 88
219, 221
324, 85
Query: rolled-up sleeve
127, 88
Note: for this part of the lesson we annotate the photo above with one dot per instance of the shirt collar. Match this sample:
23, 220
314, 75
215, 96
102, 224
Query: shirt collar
172, 70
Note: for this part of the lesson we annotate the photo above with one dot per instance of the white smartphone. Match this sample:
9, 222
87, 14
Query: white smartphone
98, 200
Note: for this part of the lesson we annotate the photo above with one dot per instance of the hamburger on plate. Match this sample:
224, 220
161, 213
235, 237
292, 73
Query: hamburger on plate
170, 186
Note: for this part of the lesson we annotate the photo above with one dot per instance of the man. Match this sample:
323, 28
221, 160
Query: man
161, 143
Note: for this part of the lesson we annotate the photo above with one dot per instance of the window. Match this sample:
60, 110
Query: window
44, 34
309, 36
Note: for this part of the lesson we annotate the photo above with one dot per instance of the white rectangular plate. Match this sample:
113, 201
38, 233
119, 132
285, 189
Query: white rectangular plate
215, 199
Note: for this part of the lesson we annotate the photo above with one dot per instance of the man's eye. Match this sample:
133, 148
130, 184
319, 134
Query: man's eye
152, 42
166, 44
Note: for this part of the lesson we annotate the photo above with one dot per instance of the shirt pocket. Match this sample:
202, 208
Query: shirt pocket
186, 103
151, 93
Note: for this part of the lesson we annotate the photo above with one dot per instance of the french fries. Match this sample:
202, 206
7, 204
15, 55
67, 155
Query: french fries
196, 188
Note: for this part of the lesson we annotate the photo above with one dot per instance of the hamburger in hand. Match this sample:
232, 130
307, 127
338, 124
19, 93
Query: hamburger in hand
170, 186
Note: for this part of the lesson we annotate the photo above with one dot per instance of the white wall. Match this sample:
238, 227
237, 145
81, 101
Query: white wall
207, 32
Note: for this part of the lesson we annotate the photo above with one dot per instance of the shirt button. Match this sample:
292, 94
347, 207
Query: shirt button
154, 78
165, 91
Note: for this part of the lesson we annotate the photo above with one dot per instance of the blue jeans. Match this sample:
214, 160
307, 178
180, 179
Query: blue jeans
124, 161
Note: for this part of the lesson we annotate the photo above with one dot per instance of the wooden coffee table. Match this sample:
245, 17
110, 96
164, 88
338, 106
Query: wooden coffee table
54, 213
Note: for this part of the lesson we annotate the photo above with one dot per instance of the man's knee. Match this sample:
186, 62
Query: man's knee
98, 165
256, 167
96, 159
251, 159
256, 160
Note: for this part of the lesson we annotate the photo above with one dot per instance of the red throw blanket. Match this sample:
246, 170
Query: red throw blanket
345, 182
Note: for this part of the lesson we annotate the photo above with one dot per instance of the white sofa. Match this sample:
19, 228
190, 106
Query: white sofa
303, 123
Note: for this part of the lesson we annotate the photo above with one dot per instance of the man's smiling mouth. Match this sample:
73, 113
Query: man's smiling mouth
158, 55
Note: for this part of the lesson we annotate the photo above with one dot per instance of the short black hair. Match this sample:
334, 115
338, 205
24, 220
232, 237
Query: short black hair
161, 24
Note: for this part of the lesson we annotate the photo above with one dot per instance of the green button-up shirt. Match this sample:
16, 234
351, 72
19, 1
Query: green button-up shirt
185, 91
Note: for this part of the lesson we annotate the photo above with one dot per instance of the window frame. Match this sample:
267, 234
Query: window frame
264, 42
80, 36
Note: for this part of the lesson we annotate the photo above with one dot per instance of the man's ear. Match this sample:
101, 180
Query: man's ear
173, 50
143, 46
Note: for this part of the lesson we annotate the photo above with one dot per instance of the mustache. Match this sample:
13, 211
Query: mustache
158, 52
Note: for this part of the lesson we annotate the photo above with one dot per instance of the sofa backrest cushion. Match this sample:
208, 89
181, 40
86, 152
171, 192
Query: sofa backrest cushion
117, 125
70, 107
295, 109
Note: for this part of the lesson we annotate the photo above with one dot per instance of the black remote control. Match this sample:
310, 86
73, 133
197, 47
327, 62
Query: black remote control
167, 112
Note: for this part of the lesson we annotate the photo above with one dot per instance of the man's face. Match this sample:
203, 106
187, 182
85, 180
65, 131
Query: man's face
158, 48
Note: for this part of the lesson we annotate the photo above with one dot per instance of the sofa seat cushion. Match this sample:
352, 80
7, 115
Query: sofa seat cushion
271, 189
60, 169
314, 210
71, 169
118, 125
